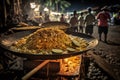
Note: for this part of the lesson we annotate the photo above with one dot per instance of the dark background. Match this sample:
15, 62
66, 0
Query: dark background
82, 4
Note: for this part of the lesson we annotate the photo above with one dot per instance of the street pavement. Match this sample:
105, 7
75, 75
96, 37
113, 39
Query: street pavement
113, 45
110, 51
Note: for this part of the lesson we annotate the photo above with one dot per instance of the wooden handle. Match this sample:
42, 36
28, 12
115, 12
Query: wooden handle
28, 75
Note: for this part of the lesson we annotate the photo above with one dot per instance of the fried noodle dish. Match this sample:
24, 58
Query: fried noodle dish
49, 41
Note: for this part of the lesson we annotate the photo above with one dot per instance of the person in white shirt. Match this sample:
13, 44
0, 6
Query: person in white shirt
81, 23
89, 20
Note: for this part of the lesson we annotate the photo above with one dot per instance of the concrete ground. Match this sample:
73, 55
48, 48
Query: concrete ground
113, 45
110, 51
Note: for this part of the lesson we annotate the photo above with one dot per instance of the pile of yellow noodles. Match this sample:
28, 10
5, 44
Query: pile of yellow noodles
45, 39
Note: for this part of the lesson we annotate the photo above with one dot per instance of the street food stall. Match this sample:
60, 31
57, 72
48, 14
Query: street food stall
51, 43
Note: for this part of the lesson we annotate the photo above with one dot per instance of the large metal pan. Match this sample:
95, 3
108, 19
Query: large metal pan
60, 25
7, 40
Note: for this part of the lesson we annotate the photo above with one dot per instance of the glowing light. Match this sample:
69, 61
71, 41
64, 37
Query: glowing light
46, 9
55, 13
37, 8
32, 5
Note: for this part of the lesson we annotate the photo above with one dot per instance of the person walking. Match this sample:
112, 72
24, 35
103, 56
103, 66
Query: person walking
74, 22
47, 18
62, 18
89, 21
103, 18
81, 23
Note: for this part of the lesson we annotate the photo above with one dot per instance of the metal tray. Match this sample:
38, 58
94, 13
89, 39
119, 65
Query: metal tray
11, 38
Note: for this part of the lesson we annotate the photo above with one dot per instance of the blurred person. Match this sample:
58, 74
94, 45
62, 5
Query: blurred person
62, 18
47, 18
81, 23
89, 21
39, 19
103, 18
117, 18
25, 18
74, 22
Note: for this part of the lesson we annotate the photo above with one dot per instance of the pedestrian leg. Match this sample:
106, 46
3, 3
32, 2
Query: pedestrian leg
105, 38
